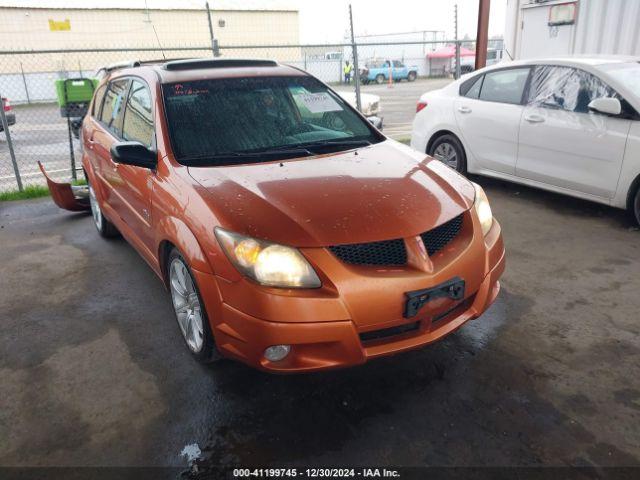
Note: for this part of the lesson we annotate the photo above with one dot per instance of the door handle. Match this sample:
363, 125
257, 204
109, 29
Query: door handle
464, 109
534, 118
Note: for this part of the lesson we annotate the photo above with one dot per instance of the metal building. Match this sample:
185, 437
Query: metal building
543, 28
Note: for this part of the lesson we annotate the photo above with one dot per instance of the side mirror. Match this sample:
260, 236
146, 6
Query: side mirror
134, 153
606, 105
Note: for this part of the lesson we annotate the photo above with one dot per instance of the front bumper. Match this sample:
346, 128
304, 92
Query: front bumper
325, 334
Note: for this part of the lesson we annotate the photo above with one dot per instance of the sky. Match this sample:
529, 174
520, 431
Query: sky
328, 20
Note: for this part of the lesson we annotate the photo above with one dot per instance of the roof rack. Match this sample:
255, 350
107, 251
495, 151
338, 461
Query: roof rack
195, 63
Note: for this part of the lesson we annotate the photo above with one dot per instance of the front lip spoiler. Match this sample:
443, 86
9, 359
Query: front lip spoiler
66, 196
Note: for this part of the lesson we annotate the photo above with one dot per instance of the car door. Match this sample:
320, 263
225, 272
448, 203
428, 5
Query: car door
488, 113
104, 135
399, 70
134, 184
562, 143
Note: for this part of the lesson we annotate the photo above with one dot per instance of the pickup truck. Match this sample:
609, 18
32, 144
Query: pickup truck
379, 71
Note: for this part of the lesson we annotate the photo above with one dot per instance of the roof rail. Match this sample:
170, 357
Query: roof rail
196, 63
133, 64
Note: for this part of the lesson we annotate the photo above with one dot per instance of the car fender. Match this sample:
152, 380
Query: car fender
177, 233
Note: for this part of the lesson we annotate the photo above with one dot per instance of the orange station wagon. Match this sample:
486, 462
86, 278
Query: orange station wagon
291, 234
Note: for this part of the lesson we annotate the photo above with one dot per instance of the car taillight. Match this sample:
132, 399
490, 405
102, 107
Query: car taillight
7, 104
420, 106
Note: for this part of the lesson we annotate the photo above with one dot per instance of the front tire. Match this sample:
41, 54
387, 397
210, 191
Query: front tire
380, 79
449, 150
189, 309
411, 77
105, 228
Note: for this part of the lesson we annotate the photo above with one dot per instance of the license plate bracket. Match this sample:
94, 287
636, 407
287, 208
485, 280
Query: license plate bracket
416, 299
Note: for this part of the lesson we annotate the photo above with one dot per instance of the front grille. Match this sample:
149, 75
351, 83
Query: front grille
393, 252
388, 252
389, 332
436, 239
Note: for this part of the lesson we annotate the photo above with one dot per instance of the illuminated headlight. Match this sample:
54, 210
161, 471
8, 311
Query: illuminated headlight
268, 263
483, 209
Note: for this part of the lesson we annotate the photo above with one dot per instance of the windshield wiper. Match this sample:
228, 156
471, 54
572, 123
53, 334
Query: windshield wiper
335, 143
246, 157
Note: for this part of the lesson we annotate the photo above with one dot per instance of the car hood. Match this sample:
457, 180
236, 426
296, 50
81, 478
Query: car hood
379, 192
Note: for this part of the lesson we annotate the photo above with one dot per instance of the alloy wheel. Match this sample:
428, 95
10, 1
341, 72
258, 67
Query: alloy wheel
186, 304
95, 208
446, 153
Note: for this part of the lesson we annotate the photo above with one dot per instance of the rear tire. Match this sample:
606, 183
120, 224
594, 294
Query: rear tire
188, 307
411, 77
635, 206
448, 149
105, 228
379, 78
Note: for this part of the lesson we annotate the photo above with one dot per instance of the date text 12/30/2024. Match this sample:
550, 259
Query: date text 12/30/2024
315, 473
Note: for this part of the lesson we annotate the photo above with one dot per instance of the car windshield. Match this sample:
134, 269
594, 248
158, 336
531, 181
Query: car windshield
222, 121
628, 74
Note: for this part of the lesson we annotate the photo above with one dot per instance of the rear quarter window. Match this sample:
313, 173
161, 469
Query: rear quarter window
471, 88
97, 100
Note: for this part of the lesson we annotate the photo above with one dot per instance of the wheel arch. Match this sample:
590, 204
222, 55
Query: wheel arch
174, 233
635, 185
441, 133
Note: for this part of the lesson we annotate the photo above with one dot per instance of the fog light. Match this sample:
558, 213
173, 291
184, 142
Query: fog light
277, 352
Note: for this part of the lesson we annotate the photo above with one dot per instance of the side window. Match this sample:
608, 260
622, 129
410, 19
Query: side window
471, 88
113, 106
566, 88
138, 115
398, 64
504, 86
97, 100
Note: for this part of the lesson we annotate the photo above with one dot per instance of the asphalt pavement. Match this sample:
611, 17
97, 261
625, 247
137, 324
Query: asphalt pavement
93, 370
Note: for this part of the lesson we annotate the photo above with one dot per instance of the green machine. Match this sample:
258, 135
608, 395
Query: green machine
74, 96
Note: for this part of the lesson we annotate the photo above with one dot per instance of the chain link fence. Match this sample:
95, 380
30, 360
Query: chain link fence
38, 132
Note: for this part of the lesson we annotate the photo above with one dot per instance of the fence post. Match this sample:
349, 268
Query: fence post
356, 69
458, 68
24, 80
5, 127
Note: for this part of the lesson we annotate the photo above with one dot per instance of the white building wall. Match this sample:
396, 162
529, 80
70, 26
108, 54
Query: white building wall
601, 27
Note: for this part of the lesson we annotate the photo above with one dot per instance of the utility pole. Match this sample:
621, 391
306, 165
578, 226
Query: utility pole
482, 36
354, 49
214, 42
455, 24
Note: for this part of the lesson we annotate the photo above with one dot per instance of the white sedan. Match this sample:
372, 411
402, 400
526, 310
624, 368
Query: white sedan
567, 125
370, 104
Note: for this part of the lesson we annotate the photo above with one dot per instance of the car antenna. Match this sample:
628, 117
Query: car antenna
154, 29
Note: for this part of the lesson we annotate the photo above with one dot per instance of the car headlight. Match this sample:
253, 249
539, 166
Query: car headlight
268, 263
483, 209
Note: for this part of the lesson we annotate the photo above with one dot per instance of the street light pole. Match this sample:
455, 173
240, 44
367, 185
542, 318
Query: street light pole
354, 49
458, 69
214, 42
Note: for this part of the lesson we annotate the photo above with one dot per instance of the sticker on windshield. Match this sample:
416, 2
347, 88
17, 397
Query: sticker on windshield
319, 102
